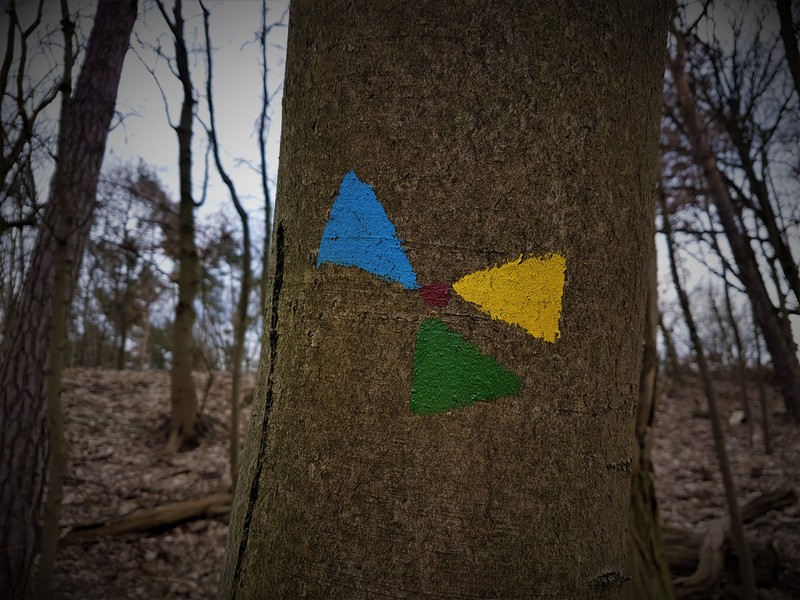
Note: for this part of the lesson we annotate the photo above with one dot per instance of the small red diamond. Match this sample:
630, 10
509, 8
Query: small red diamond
435, 294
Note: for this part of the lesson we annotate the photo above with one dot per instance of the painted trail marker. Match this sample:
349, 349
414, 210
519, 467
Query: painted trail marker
436, 293
359, 234
450, 372
525, 292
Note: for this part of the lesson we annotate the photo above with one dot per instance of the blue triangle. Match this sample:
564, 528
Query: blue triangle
359, 234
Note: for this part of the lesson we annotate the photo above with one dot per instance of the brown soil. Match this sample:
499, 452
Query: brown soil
115, 429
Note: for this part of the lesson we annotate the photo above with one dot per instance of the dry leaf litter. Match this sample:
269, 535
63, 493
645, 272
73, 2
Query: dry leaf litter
115, 428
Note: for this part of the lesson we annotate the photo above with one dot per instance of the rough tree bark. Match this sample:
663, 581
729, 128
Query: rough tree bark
777, 339
470, 122
28, 333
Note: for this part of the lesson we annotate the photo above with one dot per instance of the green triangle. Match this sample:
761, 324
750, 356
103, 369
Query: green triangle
450, 372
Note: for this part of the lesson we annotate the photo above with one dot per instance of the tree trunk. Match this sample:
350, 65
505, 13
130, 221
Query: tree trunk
730, 321
143, 355
466, 132
123, 341
787, 368
749, 157
741, 359
263, 118
240, 318
183, 395
57, 463
789, 37
674, 365
645, 547
736, 527
762, 395
27, 336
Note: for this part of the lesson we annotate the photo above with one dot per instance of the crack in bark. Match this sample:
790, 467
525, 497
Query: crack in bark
262, 444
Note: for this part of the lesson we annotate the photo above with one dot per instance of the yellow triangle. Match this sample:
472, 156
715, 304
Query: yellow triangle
522, 292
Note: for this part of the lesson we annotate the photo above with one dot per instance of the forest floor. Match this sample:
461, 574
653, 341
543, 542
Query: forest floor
115, 427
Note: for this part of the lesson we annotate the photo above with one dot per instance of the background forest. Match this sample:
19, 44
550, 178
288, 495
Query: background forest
162, 299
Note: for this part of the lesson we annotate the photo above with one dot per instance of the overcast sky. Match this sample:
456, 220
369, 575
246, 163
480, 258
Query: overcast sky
144, 132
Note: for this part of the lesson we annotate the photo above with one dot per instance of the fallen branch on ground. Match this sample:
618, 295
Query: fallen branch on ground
682, 549
168, 515
685, 548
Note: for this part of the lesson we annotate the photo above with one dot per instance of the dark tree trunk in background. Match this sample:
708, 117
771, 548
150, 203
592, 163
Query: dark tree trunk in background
729, 321
762, 393
734, 513
776, 336
789, 37
263, 119
673, 364
487, 131
57, 463
750, 157
27, 335
183, 395
123, 341
645, 546
240, 317
741, 359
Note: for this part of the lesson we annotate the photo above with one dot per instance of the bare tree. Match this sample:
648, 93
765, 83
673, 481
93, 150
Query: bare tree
121, 277
27, 139
762, 396
263, 119
183, 396
240, 318
25, 97
737, 529
33, 339
778, 338
739, 86
645, 545
263, 127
